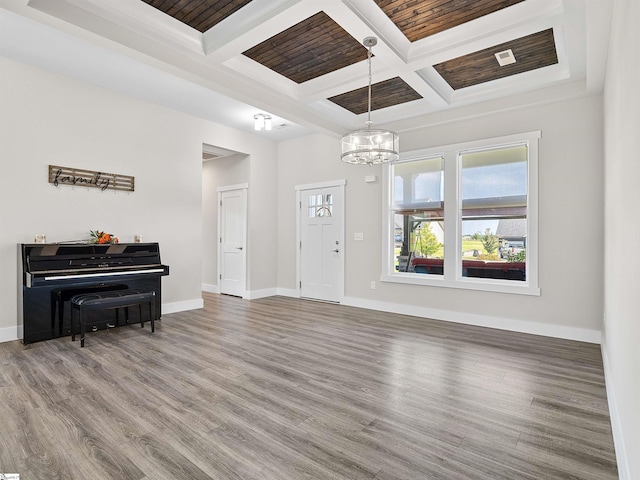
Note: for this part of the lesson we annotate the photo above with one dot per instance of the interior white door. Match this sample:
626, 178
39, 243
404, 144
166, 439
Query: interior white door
232, 247
321, 249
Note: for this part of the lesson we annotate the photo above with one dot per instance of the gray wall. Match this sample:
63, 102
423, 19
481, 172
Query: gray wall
621, 339
570, 222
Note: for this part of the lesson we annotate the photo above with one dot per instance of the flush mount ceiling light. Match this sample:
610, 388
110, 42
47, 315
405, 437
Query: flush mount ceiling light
261, 121
369, 146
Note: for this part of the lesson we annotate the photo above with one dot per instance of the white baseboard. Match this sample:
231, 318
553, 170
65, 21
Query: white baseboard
255, 294
616, 424
206, 287
288, 292
522, 326
9, 334
558, 331
176, 307
248, 295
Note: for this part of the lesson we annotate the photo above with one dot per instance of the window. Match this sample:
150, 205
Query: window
476, 202
320, 205
418, 215
494, 212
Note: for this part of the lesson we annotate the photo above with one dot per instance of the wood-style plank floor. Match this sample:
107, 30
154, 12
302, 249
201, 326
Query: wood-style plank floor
281, 388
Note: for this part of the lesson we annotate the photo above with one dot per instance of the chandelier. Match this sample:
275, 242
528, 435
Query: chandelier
369, 146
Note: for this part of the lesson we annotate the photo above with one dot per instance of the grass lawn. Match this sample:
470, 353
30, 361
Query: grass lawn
473, 245
467, 245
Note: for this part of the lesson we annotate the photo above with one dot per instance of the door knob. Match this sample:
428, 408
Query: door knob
336, 251
239, 248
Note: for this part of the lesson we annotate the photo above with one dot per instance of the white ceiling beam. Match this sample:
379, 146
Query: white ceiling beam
271, 22
246, 20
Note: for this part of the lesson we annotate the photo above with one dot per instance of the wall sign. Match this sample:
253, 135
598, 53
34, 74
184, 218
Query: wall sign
89, 178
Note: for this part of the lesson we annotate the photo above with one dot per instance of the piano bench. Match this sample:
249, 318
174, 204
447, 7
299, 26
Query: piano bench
61, 295
86, 303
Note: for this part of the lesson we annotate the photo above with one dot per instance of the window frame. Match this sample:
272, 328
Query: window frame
452, 277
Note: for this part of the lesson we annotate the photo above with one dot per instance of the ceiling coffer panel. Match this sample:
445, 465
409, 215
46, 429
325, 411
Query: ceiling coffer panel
314, 47
383, 94
199, 14
531, 52
418, 19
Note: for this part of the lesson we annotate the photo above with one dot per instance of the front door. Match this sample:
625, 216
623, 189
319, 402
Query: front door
321, 249
232, 247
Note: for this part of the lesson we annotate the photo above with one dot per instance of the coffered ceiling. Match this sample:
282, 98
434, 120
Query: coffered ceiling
303, 61
199, 14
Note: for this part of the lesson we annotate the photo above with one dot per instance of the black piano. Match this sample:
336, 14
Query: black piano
52, 273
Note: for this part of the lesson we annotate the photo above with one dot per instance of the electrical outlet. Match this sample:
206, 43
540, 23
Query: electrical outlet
373, 285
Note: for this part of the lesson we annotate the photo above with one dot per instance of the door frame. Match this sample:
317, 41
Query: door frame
244, 187
312, 186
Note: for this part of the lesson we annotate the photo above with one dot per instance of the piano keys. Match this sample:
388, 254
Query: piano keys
51, 273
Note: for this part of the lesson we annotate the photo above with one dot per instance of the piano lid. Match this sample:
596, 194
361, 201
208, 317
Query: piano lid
51, 263
52, 257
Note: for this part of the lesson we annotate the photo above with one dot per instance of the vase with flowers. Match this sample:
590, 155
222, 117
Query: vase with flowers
97, 236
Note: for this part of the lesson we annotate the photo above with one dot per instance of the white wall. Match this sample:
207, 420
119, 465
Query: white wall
621, 342
263, 222
50, 119
571, 232
47, 118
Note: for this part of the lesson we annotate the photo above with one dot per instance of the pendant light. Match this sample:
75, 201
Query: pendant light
369, 146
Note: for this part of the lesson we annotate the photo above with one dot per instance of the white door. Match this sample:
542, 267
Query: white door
321, 239
232, 253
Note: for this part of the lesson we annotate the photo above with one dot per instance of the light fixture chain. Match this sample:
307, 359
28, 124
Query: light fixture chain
369, 107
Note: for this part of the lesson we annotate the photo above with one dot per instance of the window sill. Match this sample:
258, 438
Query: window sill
485, 285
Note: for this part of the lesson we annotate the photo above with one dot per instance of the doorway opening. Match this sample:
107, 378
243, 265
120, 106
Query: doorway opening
223, 171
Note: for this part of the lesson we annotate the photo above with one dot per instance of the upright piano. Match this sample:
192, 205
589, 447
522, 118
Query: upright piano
52, 273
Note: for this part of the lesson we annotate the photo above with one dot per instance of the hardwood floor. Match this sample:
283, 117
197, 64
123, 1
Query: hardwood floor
281, 388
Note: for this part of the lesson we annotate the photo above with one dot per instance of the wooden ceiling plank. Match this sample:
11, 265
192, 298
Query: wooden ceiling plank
192, 17
304, 51
420, 19
308, 69
178, 8
405, 12
213, 16
443, 22
155, 3
393, 91
309, 49
531, 52
162, 5
284, 40
199, 14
